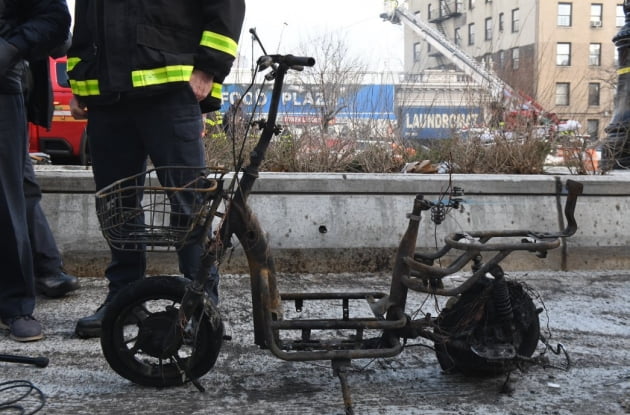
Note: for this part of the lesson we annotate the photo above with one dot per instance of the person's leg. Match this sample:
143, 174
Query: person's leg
50, 279
174, 138
117, 152
17, 291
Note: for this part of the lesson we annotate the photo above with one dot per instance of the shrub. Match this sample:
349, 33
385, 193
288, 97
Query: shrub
521, 151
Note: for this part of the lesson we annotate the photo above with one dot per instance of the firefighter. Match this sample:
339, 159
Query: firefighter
142, 72
213, 125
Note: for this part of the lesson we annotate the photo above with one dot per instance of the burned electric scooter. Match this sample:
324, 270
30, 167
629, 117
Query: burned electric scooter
164, 330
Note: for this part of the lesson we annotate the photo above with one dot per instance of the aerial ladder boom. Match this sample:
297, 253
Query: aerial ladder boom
459, 58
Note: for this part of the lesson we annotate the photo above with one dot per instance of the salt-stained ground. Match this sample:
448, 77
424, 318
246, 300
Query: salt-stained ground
587, 312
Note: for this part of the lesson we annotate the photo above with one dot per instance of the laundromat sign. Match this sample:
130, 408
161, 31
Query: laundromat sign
437, 122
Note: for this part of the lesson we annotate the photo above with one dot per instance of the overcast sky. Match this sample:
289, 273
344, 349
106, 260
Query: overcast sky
283, 24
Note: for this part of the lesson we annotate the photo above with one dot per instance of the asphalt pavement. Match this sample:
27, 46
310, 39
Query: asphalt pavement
587, 312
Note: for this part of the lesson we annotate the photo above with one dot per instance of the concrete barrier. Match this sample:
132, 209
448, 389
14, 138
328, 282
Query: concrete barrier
323, 222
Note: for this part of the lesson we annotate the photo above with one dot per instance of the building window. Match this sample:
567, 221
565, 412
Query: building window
417, 51
501, 21
471, 4
501, 59
488, 29
515, 22
516, 58
593, 94
563, 54
458, 36
563, 90
596, 14
429, 11
592, 128
595, 54
471, 34
620, 20
564, 14
459, 6
443, 8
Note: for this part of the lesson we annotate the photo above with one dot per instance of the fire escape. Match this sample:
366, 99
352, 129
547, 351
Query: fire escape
446, 10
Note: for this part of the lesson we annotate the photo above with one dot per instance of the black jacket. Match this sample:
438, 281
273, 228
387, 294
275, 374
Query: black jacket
29, 29
147, 46
38, 90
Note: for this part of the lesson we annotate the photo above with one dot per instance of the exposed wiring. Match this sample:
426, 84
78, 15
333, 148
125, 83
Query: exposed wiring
22, 394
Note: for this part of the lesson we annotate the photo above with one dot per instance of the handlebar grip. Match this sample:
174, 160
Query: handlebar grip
40, 361
575, 189
291, 60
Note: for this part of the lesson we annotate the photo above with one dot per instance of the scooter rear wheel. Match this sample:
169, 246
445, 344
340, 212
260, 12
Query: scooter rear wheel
144, 341
471, 320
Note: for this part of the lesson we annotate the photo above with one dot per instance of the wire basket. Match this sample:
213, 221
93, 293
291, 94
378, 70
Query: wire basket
159, 209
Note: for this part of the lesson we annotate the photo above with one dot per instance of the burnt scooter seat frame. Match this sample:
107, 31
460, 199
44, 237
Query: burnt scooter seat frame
192, 323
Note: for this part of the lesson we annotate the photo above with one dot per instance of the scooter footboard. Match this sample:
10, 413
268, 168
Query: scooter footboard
353, 334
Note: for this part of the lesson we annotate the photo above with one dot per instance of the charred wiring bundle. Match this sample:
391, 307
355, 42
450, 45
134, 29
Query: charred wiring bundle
440, 209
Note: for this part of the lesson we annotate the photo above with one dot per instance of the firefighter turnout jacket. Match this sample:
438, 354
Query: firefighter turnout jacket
145, 47
29, 29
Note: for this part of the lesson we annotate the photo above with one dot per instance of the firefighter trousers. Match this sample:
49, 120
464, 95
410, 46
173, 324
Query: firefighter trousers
165, 128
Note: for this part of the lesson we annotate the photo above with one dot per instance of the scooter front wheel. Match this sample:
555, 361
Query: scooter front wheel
144, 341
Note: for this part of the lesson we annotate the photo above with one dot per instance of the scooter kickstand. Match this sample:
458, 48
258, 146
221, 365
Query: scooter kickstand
340, 369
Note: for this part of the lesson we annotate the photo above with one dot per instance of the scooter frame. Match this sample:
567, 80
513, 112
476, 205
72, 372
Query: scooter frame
412, 270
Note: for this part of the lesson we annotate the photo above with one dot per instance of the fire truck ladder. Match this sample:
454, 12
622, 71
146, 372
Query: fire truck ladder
437, 40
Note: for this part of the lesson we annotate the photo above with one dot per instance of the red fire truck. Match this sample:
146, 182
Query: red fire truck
66, 141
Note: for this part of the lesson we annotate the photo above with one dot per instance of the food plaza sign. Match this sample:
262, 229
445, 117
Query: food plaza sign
307, 101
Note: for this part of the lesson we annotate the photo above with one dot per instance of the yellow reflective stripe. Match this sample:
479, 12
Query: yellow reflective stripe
217, 90
164, 75
71, 63
219, 42
85, 88
623, 71
147, 77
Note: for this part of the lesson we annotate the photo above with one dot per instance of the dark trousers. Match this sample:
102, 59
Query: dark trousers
167, 128
46, 256
17, 292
